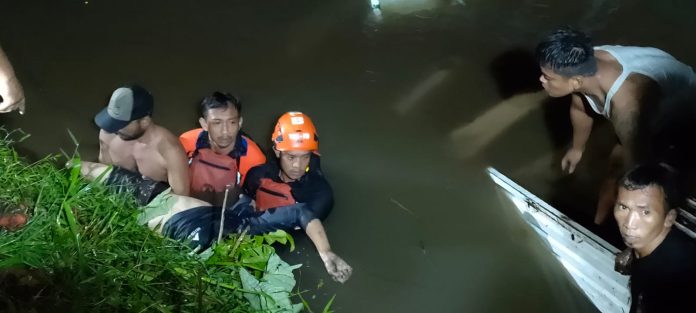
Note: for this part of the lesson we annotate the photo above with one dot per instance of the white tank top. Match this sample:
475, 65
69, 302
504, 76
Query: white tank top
671, 75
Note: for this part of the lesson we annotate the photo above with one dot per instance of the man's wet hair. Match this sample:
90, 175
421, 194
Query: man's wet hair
567, 52
659, 175
220, 100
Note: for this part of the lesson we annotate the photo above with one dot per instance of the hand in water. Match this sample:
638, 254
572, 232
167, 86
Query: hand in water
338, 269
570, 160
11, 96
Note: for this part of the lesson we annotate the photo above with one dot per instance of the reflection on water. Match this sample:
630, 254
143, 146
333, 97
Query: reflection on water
423, 228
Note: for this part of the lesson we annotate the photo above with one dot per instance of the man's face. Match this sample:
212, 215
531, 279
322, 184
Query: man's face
556, 85
222, 125
293, 164
132, 131
642, 219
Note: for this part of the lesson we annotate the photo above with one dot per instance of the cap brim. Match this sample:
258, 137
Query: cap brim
108, 123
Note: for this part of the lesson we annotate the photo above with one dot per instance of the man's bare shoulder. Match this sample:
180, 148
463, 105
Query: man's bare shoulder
608, 69
603, 55
166, 140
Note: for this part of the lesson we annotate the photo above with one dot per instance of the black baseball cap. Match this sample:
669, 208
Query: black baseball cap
127, 104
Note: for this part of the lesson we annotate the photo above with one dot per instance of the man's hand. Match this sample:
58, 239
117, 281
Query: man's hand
12, 96
570, 160
338, 269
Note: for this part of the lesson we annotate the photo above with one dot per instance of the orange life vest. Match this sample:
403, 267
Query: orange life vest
211, 172
271, 194
253, 157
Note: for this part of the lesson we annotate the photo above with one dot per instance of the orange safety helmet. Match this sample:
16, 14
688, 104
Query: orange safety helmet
295, 131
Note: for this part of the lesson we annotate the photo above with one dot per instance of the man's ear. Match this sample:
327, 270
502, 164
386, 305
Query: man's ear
671, 217
277, 153
241, 121
203, 123
576, 82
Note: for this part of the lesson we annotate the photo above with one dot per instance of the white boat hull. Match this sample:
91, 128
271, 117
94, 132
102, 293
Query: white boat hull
588, 259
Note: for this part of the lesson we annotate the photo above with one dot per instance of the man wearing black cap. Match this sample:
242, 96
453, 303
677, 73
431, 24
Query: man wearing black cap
130, 140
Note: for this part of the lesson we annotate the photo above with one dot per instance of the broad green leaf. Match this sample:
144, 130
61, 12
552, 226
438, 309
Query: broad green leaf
272, 291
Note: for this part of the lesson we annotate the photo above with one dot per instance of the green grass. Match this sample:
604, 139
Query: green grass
83, 251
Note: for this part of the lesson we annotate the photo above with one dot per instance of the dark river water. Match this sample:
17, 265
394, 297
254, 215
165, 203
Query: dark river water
412, 102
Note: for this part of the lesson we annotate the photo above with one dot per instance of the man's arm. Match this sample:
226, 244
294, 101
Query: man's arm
177, 166
339, 270
582, 127
318, 207
11, 92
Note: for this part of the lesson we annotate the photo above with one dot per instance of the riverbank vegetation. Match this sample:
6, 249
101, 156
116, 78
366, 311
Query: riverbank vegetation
68, 245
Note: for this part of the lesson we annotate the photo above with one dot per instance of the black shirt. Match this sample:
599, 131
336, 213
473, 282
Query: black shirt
312, 189
665, 280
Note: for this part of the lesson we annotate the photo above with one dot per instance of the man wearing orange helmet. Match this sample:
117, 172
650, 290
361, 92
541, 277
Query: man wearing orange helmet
294, 192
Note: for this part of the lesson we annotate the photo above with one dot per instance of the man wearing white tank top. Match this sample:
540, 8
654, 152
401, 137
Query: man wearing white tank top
623, 84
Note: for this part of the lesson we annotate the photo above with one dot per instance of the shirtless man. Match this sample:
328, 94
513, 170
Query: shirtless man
11, 93
623, 84
130, 140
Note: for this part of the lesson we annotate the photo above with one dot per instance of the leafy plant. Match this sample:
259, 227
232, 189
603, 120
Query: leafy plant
83, 251
272, 290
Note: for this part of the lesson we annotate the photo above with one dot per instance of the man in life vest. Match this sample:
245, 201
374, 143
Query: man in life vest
219, 155
288, 194
294, 192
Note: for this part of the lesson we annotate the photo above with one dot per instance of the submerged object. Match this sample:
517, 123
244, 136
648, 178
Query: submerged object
375, 4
